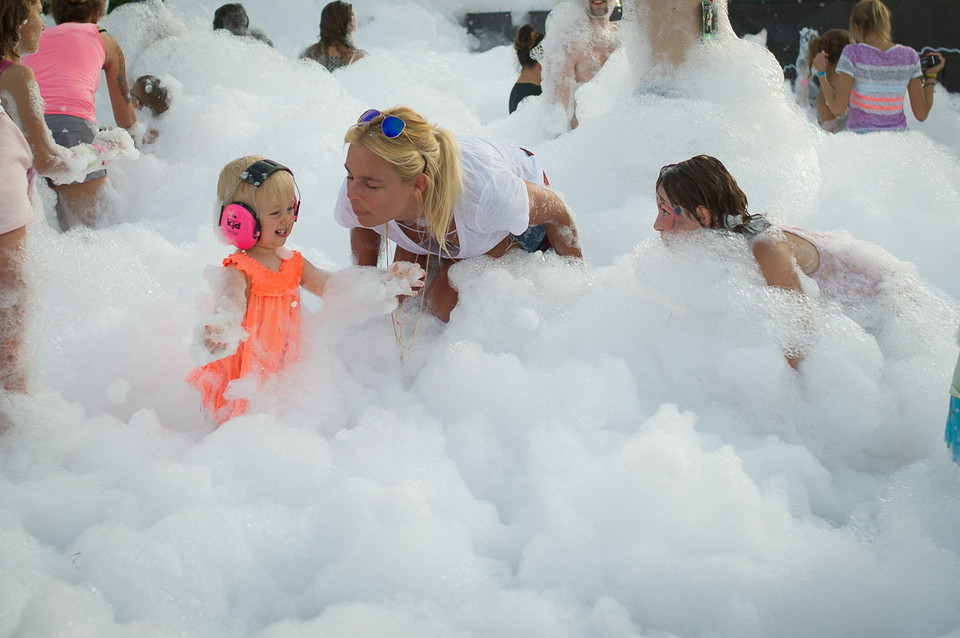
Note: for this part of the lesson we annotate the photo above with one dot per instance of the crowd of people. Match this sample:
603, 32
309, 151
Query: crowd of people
439, 197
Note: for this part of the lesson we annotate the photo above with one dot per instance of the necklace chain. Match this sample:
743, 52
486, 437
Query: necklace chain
399, 316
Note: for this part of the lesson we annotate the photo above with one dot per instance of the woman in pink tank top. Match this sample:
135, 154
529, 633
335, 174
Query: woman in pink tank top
67, 66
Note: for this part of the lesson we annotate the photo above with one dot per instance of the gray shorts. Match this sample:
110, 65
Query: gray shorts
69, 131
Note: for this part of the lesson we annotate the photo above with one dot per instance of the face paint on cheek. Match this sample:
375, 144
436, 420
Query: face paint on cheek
675, 219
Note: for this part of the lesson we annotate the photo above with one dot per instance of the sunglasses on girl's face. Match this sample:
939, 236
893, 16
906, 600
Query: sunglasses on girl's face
391, 126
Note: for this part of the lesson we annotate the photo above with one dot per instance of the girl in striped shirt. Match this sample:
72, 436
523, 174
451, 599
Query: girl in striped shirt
874, 74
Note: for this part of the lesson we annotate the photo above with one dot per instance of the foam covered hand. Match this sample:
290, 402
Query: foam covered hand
219, 334
114, 143
406, 277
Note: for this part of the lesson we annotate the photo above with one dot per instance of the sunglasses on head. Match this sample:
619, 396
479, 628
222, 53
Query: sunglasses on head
391, 126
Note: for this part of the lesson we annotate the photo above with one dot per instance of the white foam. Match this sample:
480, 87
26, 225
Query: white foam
615, 448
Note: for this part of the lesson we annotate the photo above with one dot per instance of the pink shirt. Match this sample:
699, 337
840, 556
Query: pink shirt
16, 171
67, 66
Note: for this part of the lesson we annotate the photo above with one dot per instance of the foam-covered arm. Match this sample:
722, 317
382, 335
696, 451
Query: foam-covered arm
220, 333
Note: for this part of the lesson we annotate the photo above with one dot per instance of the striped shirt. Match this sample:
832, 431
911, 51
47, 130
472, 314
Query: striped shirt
880, 81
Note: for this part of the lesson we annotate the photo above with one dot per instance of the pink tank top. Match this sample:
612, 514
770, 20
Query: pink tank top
67, 66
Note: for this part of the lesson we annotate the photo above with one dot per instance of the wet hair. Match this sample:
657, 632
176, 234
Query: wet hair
335, 25
76, 10
232, 17
704, 181
527, 38
421, 148
12, 15
230, 188
151, 93
872, 17
832, 42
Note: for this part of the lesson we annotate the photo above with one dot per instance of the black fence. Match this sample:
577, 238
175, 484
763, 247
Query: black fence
917, 23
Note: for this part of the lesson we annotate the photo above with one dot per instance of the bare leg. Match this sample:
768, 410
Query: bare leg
13, 373
79, 203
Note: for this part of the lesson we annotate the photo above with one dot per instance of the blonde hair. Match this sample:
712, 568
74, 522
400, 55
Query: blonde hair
232, 188
872, 17
421, 148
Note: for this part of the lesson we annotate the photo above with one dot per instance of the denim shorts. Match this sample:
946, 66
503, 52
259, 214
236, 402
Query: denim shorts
533, 239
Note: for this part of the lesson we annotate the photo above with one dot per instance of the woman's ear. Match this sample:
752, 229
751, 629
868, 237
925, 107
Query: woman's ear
420, 183
706, 217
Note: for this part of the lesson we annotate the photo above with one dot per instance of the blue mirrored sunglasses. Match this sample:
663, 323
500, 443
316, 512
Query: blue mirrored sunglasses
391, 126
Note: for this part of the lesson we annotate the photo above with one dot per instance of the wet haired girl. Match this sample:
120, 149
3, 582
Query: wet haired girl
335, 49
699, 193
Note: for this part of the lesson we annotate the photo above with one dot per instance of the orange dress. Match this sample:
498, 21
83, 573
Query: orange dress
272, 324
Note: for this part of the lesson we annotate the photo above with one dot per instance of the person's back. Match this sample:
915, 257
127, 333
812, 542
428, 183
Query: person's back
67, 68
335, 49
880, 80
527, 45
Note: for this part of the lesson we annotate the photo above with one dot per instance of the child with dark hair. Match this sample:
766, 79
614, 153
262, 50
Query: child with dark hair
335, 49
529, 52
700, 193
149, 93
832, 43
233, 17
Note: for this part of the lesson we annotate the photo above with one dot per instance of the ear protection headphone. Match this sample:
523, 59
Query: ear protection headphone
238, 222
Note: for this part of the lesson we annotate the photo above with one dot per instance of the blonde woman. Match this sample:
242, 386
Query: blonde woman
443, 198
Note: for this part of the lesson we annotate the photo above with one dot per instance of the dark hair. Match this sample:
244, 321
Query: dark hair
704, 181
155, 96
76, 10
832, 42
527, 38
232, 17
335, 25
12, 15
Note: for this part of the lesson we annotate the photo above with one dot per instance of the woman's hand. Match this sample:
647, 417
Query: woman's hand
408, 275
819, 63
936, 68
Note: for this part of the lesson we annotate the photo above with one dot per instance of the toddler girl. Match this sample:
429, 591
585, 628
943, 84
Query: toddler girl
256, 327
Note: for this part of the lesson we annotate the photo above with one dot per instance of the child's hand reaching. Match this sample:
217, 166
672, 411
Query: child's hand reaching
407, 275
214, 339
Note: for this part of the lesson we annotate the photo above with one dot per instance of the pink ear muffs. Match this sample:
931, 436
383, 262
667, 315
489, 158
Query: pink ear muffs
240, 226
238, 222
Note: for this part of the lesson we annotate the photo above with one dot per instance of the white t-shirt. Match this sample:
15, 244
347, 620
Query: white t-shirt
492, 205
